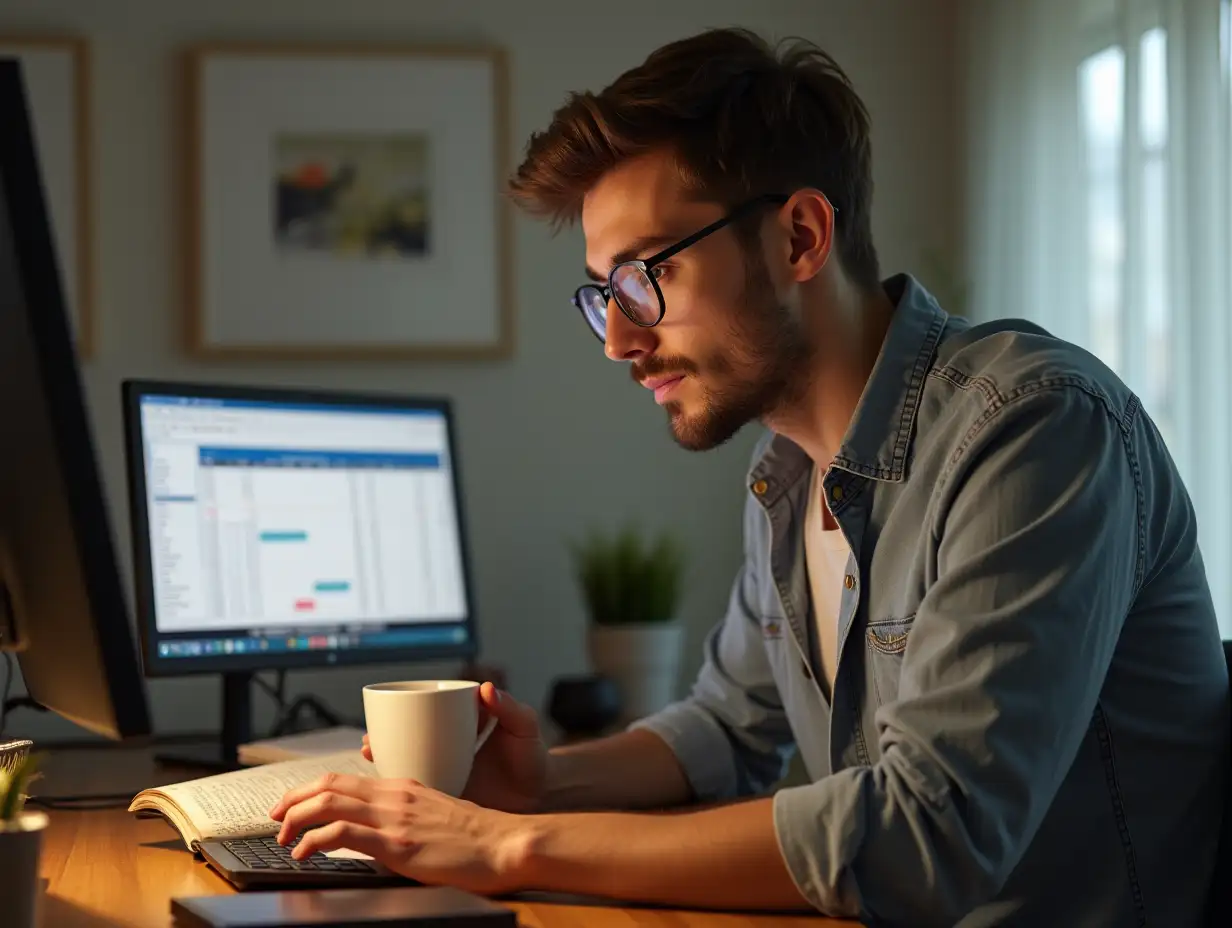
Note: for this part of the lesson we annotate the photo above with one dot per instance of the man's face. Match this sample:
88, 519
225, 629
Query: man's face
726, 350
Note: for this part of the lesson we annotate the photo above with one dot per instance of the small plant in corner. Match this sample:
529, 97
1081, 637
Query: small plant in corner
628, 579
14, 783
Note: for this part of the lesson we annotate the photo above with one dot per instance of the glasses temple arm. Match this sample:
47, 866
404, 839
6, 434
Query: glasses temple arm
700, 234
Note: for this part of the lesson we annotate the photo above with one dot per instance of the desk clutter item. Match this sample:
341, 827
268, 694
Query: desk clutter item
405, 907
304, 744
584, 706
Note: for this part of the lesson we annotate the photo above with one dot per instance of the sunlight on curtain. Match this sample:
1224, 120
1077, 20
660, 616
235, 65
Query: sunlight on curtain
1100, 206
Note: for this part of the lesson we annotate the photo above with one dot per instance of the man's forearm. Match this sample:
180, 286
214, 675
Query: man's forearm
723, 858
630, 770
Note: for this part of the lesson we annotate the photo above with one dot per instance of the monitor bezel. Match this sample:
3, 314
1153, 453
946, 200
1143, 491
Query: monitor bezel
135, 389
40, 294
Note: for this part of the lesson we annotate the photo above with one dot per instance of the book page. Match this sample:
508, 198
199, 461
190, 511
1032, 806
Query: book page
237, 803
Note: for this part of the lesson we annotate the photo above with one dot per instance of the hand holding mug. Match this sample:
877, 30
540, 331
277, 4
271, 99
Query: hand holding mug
510, 765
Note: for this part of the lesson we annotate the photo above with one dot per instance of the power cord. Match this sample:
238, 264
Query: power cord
9, 672
7, 702
277, 691
92, 802
288, 717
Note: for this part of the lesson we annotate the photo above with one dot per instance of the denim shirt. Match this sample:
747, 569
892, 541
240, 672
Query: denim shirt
1029, 720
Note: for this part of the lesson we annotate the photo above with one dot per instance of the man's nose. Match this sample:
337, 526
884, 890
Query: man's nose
624, 339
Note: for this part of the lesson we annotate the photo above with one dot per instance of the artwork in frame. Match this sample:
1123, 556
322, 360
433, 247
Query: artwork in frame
56, 73
346, 202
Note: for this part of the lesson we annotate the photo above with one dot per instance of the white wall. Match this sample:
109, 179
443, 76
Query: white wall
593, 425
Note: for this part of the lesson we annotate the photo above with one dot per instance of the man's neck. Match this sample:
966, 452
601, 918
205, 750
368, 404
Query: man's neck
847, 348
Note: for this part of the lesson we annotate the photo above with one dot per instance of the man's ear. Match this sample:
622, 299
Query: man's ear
808, 219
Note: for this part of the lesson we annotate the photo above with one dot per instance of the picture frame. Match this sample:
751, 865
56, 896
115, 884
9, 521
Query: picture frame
345, 202
56, 71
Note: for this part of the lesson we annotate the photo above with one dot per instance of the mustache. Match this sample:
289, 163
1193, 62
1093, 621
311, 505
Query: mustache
655, 366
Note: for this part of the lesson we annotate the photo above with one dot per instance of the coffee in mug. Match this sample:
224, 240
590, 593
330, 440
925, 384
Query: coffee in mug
425, 730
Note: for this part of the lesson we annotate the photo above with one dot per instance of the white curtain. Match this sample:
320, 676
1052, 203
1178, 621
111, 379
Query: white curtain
1099, 199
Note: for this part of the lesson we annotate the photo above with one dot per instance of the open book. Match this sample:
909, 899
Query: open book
236, 804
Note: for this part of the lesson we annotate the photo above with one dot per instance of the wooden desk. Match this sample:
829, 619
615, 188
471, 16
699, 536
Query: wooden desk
108, 868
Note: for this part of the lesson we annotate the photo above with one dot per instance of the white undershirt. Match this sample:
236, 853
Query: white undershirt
825, 555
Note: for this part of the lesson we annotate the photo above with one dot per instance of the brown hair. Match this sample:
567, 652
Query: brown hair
742, 119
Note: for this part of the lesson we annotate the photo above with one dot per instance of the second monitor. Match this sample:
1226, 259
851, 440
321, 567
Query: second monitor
280, 528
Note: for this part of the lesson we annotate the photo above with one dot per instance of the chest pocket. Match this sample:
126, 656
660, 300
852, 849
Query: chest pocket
885, 640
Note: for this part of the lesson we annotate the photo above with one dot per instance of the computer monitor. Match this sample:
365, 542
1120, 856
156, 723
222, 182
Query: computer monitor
292, 528
62, 600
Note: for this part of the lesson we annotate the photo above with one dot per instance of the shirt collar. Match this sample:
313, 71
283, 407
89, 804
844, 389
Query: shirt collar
878, 437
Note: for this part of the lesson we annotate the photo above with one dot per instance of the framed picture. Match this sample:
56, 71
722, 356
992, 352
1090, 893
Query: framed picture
56, 72
346, 202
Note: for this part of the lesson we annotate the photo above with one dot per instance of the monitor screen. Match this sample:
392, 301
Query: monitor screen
282, 528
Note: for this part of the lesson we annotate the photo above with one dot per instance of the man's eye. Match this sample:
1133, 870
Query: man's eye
659, 271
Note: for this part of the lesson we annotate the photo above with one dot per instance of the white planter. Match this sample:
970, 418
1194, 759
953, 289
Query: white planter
642, 660
21, 844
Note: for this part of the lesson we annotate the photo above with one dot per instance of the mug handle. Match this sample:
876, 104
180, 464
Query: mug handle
487, 730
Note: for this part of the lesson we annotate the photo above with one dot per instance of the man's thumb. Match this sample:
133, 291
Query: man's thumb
513, 716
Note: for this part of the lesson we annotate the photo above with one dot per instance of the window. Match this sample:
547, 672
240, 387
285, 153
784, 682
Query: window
1100, 206
1123, 94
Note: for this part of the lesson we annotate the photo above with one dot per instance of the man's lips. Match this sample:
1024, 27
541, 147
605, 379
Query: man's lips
662, 385
653, 383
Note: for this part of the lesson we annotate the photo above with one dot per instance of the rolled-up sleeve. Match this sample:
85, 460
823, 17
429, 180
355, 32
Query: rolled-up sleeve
1037, 547
730, 734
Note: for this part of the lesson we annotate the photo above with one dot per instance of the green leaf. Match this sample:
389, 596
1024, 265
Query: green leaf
14, 783
625, 580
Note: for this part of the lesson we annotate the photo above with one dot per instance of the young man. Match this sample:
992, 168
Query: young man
972, 595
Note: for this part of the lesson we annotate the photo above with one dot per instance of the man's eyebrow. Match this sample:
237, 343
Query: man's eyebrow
636, 248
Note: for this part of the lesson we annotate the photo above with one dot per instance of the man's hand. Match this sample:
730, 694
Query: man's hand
418, 832
725, 858
510, 770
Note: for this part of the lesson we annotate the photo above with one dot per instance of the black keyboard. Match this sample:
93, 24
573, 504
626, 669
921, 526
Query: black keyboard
267, 854
253, 862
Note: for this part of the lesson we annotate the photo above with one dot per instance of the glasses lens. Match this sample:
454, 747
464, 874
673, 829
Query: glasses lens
636, 294
594, 308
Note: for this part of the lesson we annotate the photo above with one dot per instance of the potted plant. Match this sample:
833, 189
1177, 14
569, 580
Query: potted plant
21, 837
631, 586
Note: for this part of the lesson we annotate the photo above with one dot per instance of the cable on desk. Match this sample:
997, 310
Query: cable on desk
10, 673
277, 692
83, 803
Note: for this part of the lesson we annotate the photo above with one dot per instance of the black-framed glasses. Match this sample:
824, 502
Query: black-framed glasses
635, 287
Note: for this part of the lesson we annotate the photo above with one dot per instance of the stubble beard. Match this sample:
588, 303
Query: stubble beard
764, 370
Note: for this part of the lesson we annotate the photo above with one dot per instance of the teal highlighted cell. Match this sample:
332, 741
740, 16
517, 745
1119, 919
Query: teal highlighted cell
331, 586
284, 536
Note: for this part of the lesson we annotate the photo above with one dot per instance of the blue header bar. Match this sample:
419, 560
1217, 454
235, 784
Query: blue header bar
282, 406
291, 457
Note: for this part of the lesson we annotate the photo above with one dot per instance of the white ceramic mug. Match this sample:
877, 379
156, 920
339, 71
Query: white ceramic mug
425, 730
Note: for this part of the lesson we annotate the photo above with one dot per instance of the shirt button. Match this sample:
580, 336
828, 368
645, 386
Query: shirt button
760, 487
836, 493
850, 582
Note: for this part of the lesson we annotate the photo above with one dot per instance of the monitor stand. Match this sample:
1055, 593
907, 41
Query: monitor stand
220, 755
